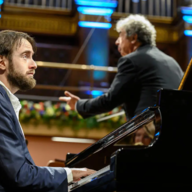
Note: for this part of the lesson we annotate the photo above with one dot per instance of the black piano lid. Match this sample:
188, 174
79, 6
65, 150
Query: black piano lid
128, 127
114, 136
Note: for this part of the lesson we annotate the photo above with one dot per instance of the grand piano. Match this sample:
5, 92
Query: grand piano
164, 164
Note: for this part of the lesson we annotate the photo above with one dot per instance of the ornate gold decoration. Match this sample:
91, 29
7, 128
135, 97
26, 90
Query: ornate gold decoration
65, 22
22, 8
55, 22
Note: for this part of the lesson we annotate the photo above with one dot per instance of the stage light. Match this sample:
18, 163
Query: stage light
95, 11
95, 93
188, 32
95, 24
187, 19
157, 134
112, 4
186, 10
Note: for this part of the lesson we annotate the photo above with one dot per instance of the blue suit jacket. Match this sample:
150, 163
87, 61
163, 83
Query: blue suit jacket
17, 169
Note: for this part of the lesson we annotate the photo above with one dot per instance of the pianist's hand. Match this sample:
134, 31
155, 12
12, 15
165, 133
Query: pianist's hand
79, 173
70, 99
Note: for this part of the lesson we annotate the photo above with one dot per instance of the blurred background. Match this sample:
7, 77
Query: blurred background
76, 51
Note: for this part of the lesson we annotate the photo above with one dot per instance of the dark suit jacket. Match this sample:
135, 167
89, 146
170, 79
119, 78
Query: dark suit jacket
140, 74
17, 169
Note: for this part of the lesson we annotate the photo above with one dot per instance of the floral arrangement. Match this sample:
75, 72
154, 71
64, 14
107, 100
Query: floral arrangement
59, 114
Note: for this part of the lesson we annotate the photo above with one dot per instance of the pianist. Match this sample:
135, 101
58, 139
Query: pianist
142, 70
17, 169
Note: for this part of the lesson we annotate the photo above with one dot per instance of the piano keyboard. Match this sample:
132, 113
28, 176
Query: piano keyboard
89, 178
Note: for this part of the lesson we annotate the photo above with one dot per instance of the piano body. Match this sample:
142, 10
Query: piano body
164, 164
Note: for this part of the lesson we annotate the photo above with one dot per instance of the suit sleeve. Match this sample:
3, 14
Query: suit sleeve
116, 95
16, 172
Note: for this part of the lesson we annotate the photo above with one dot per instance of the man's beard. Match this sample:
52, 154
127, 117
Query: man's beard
16, 79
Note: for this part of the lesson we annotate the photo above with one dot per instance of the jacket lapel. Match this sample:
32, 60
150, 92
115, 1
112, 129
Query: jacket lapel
17, 128
15, 120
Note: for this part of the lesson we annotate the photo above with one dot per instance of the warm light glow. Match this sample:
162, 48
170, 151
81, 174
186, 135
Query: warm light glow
110, 68
84, 67
72, 140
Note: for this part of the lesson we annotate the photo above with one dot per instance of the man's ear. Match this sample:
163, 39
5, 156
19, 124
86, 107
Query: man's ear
134, 38
2, 62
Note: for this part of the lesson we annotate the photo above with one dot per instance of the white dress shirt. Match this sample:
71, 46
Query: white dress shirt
17, 106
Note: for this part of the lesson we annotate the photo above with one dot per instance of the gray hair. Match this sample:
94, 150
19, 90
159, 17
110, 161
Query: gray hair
138, 24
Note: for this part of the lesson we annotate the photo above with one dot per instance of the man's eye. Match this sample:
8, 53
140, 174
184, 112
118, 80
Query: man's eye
25, 56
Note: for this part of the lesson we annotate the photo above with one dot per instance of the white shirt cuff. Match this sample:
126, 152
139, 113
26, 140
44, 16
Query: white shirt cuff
69, 175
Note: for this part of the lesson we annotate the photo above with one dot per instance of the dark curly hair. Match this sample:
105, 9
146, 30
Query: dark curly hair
10, 40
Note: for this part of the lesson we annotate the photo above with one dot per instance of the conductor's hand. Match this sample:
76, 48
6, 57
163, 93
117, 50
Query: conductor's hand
70, 99
79, 173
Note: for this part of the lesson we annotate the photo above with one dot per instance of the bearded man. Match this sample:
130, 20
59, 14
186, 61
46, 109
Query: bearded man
18, 172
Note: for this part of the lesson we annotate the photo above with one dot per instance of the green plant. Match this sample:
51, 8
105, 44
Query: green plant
59, 114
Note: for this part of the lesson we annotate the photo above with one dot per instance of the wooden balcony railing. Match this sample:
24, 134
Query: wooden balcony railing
69, 67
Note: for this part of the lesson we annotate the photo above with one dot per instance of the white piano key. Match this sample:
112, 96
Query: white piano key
89, 178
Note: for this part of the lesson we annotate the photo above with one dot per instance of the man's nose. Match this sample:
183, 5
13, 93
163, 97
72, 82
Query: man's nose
33, 65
